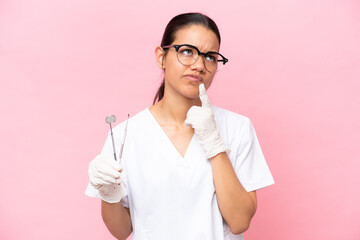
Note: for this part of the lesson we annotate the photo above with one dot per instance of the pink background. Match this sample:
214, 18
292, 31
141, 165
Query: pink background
294, 69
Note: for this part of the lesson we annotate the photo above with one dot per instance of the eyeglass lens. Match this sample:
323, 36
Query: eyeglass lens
188, 55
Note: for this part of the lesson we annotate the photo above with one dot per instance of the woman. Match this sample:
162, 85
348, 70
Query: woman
189, 170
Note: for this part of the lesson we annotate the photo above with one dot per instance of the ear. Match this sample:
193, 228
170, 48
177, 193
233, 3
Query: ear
160, 55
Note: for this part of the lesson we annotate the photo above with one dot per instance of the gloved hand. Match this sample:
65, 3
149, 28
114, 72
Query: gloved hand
104, 175
203, 121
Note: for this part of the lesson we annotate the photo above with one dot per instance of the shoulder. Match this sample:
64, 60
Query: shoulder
227, 117
232, 126
137, 120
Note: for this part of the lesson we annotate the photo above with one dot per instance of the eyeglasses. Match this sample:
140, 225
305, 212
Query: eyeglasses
188, 55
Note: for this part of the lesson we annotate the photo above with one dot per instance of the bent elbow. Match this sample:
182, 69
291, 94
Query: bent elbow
241, 228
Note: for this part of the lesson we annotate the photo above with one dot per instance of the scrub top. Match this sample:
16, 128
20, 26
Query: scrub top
173, 197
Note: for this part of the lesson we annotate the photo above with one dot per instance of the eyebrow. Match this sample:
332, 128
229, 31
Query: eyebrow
217, 51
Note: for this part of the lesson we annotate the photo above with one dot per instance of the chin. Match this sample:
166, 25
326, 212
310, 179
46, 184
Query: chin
192, 92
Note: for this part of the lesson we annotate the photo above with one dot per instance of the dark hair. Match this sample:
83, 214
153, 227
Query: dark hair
175, 24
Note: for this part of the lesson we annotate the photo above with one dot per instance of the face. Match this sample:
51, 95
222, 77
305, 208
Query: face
184, 80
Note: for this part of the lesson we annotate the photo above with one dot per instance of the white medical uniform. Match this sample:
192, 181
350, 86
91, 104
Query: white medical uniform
173, 197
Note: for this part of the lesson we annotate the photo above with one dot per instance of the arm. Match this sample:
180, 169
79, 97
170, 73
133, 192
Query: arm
104, 175
237, 206
117, 219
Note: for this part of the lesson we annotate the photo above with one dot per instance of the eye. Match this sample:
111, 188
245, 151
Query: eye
187, 51
211, 57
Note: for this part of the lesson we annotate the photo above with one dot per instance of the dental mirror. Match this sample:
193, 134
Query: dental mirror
111, 119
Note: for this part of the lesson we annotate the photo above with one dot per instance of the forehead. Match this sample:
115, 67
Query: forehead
198, 36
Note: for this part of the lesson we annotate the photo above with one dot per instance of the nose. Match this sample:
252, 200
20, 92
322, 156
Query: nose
199, 64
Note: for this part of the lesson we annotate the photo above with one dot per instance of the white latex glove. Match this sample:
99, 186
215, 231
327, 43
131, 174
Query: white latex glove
203, 121
104, 175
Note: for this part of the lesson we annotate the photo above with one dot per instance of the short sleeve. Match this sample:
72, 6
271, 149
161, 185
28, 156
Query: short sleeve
250, 165
108, 151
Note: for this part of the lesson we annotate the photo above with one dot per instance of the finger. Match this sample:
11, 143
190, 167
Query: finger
114, 164
98, 179
100, 183
110, 180
108, 171
103, 159
189, 121
203, 96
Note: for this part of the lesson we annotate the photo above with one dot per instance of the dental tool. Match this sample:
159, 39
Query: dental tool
123, 142
111, 119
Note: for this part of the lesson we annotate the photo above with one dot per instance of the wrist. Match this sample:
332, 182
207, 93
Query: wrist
112, 193
213, 145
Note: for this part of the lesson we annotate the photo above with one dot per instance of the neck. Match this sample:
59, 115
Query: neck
173, 108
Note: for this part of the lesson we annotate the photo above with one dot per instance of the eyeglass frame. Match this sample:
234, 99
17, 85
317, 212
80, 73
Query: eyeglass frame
178, 46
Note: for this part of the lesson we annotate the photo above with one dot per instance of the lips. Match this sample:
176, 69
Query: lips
194, 78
